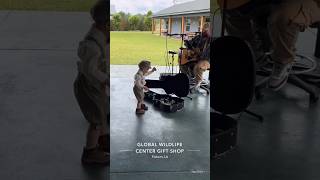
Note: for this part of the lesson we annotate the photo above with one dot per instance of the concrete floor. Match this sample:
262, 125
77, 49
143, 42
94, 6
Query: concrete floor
189, 126
42, 131
286, 145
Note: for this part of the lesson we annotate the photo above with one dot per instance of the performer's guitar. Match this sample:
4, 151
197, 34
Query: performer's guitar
231, 4
187, 55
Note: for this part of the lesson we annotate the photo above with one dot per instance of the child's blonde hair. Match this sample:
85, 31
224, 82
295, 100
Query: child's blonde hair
144, 64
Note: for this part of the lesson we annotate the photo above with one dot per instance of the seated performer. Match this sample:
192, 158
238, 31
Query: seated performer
272, 25
199, 54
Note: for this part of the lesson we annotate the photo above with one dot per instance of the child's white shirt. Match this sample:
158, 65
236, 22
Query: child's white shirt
139, 79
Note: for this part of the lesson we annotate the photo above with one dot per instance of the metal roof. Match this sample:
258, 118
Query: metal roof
191, 7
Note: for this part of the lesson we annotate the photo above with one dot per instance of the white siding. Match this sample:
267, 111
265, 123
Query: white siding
195, 24
176, 25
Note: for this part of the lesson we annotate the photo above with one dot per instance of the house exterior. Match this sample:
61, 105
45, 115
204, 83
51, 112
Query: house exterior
189, 17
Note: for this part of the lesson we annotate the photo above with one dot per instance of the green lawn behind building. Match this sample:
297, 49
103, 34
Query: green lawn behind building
47, 5
128, 47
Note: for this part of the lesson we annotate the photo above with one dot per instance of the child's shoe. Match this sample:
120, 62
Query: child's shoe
95, 156
140, 111
144, 107
104, 143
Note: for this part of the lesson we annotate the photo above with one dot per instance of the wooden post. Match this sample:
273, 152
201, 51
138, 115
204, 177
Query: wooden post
182, 24
170, 25
152, 28
201, 23
160, 26
152, 25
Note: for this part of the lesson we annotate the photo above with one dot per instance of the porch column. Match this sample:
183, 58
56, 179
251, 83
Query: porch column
170, 25
152, 28
160, 26
201, 23
182, 24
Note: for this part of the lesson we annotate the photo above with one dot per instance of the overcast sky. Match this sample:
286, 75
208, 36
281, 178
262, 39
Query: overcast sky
141, 6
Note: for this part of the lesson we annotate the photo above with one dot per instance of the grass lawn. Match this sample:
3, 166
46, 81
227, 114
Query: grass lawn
47, 5
131, 47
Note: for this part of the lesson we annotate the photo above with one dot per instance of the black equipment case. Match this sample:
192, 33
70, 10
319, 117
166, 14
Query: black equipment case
165, 102
224, 135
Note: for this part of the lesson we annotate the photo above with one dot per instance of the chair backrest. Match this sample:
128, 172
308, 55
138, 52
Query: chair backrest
232, 75
317, 48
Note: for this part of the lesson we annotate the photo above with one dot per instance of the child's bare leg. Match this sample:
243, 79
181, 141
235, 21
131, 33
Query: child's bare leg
104, 129
139, 105
93, 134
92, 152
104, 139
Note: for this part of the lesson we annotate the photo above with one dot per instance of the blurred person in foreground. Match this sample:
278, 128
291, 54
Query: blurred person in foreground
92, 84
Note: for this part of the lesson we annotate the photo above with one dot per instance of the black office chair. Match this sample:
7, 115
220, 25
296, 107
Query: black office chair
232, 79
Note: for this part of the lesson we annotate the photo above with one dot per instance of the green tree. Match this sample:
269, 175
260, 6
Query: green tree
148, 21
141, 25
126, 22
116, 20
134, 22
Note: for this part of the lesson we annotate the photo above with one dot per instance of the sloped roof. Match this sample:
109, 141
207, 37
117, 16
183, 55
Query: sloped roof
191, 7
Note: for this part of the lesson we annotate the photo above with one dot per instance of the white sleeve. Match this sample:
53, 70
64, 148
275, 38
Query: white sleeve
148, 73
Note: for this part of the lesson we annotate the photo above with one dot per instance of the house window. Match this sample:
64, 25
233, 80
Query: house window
167, 24
188, 24
207, 19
